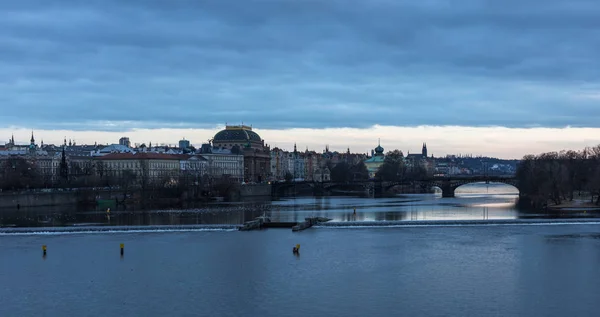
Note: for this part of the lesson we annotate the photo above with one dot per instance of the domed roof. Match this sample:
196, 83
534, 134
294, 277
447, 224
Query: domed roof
379, 149
237, 134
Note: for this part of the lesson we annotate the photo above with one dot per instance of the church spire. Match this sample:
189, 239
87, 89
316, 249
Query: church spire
32, 138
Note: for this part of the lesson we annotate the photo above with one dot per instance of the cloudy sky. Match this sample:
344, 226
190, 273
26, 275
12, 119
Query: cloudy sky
485, 77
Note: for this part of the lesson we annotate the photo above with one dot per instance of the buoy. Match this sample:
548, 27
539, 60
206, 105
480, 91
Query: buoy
122, 245
296, 249
44, 249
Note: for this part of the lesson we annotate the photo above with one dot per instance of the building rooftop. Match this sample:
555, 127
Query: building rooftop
238, 134
140, 156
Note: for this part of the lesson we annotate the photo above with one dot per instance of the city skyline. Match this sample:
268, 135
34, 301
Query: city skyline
493, 142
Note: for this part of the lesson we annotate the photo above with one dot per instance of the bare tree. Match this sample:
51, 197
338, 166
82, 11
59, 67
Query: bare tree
18, 173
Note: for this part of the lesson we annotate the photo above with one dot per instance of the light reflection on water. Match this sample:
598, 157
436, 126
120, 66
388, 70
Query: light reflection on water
472, 202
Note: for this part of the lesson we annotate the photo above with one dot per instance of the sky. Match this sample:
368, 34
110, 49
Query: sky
487, 77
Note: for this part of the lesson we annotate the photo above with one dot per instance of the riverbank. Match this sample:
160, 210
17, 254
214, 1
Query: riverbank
581, 203
112, 198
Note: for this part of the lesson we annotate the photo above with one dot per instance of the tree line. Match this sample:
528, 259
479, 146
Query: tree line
396, 169
18, 173
555, 177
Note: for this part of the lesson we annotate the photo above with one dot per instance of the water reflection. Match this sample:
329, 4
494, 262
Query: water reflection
472, 202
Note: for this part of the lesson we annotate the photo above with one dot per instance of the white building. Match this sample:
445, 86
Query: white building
194, 165
221, 162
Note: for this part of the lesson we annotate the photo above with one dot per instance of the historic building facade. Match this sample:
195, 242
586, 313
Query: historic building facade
223, 163
257, 156
421, 160
375, 161
151, 166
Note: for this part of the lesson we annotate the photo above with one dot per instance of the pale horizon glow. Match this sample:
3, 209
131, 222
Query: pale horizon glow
502, 142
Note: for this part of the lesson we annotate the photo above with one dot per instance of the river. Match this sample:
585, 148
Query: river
472, 202
547, 268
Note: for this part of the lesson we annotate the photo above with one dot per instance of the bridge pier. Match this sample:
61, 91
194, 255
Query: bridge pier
448, 193
377, 189
447, 189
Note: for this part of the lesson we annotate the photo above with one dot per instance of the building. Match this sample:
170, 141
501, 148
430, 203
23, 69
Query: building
223, 163
418, 157
312, 162
322, 174
113, 148
184, 144
42, 159
416, 160
375, 161
124, 141
194, 164
257, 156
278, 164
149, 167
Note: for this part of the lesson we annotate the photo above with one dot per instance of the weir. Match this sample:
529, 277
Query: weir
265, 222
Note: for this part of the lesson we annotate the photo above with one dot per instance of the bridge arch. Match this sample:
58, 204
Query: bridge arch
462, 189
449, 189
448, 185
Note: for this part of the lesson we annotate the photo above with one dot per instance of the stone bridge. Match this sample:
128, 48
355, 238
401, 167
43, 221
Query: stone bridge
448, 184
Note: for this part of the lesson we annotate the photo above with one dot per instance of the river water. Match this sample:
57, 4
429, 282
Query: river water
548, 267
473, 202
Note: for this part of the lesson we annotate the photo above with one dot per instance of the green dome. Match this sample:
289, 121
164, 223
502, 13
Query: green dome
236, 135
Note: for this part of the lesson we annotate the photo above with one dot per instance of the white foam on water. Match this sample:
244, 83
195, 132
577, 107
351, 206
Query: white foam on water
69, 231
424, 224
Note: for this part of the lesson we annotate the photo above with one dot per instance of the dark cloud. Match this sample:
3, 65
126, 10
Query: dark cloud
111, 64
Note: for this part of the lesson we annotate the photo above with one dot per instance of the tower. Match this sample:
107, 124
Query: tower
63, 168
32, 145
424, 150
